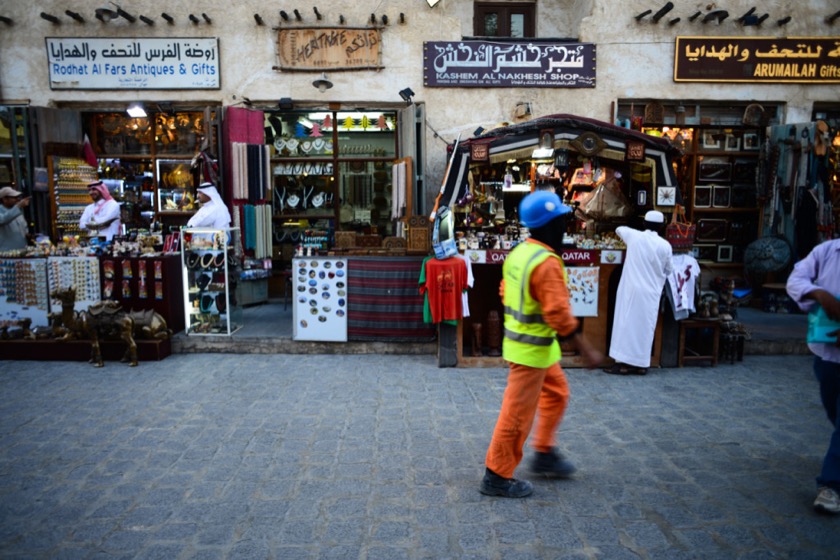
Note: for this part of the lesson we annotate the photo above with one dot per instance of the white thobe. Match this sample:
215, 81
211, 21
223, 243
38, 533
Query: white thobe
646, 266
99, 212
211, 215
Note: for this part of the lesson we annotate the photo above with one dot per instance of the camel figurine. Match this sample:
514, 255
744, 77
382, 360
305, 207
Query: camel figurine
103, 320
149, 324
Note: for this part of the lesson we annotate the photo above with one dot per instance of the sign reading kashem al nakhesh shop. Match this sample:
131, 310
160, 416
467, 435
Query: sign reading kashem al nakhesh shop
498, 64
757, 59
329, 48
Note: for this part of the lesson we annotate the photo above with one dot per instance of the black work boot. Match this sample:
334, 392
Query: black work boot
495, 485
552, 464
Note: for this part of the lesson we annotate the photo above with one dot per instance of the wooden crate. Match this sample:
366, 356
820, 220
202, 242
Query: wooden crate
345, 239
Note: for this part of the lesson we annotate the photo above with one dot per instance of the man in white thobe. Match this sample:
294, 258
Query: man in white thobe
102, 217
213, 212
647, 264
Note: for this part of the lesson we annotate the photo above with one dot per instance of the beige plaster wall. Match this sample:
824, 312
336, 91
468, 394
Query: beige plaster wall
634, 59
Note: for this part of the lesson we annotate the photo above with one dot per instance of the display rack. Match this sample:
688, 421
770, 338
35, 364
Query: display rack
81, 273
141, 283
210, 273
23, 290
320, 292
69, 178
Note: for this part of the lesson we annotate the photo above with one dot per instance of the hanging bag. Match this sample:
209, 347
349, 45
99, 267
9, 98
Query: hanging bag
680, 232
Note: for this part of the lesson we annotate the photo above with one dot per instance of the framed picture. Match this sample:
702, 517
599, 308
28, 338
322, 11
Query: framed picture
703, 196
744, 170
724, 253
712, 230
714, 170
733, 143
751, 143
721, 196
666, 196
704, 252
711, 140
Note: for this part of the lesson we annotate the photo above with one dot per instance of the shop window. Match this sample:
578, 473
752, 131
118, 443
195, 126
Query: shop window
504, 19
331, 172
146, 161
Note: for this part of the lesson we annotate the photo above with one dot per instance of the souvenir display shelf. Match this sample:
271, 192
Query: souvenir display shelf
210, 273
320, 299
141, 283
718, 181
69, 178
81, 273
23, 290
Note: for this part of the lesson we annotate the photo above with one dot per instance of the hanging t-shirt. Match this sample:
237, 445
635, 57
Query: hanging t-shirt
446, 279
681, 284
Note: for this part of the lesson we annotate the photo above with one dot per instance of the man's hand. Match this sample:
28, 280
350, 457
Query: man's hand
592, 358
23, 202
829, 303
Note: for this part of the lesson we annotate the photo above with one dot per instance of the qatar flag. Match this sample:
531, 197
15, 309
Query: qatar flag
90, 156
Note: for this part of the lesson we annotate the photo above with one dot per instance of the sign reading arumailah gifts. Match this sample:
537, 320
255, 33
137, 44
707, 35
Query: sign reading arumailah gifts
329, 48
757, 59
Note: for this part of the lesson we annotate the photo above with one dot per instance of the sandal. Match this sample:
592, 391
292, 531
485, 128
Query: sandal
624, 369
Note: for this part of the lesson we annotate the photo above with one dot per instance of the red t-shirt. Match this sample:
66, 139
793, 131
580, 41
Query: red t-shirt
445, 280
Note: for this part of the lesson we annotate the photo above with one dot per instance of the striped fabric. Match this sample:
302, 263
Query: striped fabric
384, 303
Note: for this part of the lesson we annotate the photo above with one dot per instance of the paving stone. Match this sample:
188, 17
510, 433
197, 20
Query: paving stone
347, 456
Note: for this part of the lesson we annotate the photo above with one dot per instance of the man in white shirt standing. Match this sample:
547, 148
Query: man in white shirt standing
213, 212
102, 217
647, 264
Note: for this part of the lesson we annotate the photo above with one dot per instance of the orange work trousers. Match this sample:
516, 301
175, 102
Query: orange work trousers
530, 391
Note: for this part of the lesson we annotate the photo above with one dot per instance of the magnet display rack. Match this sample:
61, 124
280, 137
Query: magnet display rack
69, 178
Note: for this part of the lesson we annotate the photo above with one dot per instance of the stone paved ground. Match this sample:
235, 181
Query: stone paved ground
206, 456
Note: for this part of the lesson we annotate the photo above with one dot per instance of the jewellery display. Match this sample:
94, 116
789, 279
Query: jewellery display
210, 278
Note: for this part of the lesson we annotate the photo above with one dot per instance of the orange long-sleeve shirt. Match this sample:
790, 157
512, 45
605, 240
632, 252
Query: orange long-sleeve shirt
548, 287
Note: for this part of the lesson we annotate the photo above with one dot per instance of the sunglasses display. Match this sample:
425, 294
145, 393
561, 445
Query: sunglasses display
322, 279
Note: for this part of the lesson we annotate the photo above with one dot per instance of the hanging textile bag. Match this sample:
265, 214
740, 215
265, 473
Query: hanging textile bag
680, 232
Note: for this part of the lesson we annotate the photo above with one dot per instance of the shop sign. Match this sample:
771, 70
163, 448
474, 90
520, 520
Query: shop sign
309, 168
329, 48
137, 63
494, 256
635, 151
612, 256
521, 64
578, 256
757, 59
480, 152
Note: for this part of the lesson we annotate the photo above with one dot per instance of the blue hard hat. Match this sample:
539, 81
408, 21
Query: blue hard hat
540, 207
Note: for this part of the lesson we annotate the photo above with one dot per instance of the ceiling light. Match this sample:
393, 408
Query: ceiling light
322, 83
136, 111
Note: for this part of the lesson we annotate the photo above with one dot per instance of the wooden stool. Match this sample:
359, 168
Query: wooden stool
694, 355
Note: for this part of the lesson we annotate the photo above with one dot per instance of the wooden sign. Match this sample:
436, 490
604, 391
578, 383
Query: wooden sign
635, 151
480, 152
329, 48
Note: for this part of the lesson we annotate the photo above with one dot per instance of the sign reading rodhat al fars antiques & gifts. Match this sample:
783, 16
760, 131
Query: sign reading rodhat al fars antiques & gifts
136, 63
329, 48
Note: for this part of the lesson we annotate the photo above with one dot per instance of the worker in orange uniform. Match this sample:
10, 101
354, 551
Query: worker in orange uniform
537, 310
